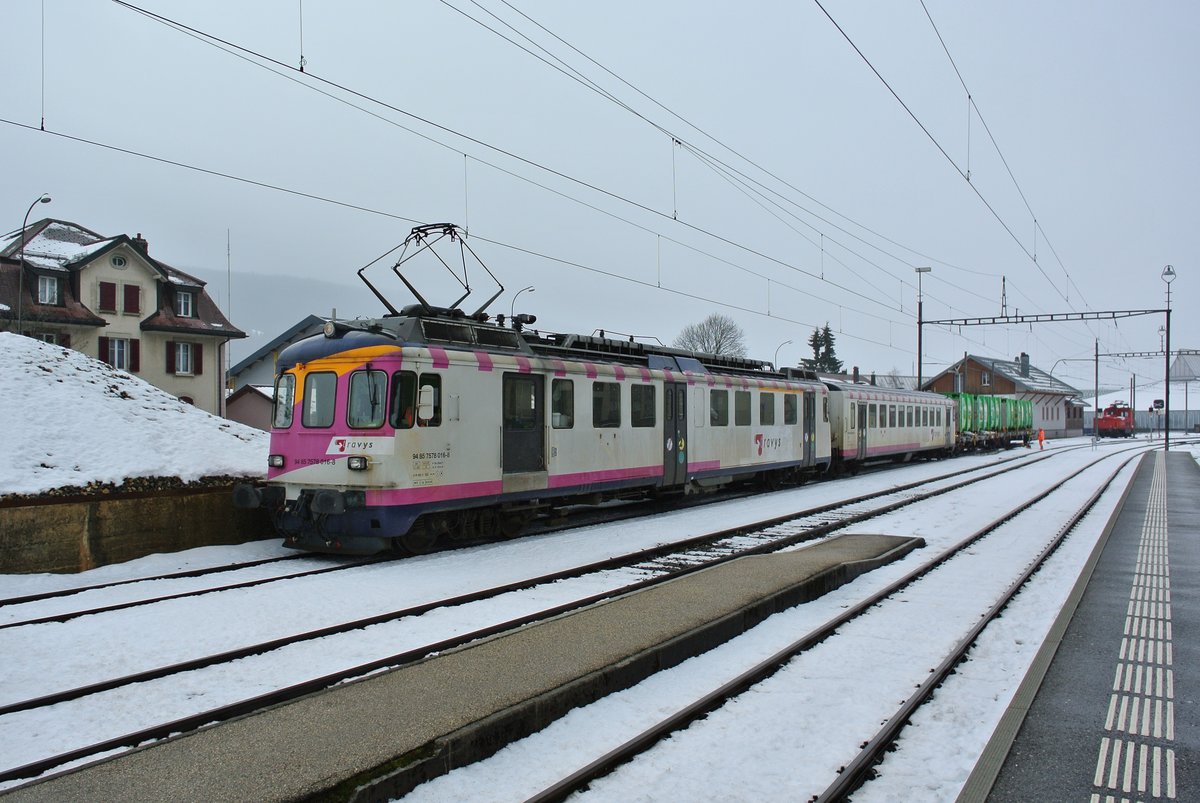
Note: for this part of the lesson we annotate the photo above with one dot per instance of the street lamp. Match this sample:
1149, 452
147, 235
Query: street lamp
513, 306
775, 360
920, 319
42, 199
1168, 276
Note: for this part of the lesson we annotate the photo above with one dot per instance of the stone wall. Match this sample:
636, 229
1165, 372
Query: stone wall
79, 533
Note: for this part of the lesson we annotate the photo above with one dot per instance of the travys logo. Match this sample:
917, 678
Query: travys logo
360, 445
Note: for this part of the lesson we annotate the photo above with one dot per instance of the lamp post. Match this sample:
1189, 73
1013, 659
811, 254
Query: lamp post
1168, 276
920, 319
775, 359
512, 308
41, 199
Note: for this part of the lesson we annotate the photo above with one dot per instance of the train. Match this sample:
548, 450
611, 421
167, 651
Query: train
432, 424
1116, 421
992, 421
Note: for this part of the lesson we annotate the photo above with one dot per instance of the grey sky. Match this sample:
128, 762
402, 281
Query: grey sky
1093, 105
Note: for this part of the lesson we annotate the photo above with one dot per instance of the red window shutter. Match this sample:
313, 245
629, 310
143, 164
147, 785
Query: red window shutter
170, 356
104, 349
108, 297
135, 361
197, 359
132, 298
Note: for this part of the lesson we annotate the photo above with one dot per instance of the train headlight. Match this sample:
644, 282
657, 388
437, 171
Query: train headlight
356, 463
275, 461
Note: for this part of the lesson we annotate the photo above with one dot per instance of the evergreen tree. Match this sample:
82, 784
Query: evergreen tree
823, 359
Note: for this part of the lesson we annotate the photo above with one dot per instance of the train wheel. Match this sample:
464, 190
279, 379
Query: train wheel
421, 538
513, 522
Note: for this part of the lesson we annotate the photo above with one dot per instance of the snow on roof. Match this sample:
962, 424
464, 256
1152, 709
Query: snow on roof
52, 398
1038, 380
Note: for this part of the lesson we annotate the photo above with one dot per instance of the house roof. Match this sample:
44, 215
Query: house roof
1038, 381
284, 339
1186, 368
58, 246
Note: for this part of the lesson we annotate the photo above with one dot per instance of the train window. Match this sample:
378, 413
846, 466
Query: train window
853, 415
404, 400
320, 392
562, 404
766, 409
924, 416
741, 408
520, 404
871, 417
606, 405
642, 409
910, 415
429, 391
789, 409
368, 391
285, 397
892, 415
825, 409
718, 410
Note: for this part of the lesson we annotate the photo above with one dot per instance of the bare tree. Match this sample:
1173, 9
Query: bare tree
716, 334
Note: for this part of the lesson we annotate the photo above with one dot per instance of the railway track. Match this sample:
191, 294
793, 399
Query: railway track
847, 777
628, 572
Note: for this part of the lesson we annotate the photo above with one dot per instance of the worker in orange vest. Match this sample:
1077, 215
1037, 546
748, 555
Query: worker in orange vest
1041, 439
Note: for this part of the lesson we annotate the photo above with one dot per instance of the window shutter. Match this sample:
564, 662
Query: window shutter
132, 298
170, 356
104, 349
197, 359
108, 297
135, 363
64, 340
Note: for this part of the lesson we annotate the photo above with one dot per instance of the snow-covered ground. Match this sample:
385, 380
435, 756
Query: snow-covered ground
70, 421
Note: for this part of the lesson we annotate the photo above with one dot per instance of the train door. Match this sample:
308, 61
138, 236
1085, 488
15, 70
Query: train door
524, 431
810, 428
674, 433
862, 431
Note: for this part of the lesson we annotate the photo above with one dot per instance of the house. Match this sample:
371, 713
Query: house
1057, 407
107, 297
259, 367
251, 405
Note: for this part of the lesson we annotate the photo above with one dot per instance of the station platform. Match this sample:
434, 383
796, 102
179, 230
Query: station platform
379, 737
1109, 714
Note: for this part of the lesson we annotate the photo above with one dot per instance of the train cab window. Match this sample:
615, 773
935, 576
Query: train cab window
741, 408
606, 405
789, 409
642, 406
368, 392
285, 398
320, 393
429, 400
892, 415
562, 404
403, 410
766, 409
871, 417
718, 408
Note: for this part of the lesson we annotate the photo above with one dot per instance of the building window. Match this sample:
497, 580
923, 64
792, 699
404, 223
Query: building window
183, 358
48, 290
186, 359
985, 378
183, 304
118, 353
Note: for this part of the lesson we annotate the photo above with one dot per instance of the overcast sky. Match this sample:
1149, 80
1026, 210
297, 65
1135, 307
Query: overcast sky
1093, 106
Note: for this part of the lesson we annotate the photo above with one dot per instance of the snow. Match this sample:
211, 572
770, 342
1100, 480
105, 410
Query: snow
70, 420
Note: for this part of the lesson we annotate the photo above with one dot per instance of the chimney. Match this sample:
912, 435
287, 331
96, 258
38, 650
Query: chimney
856, 379
872, 377
140, 244
1024, 365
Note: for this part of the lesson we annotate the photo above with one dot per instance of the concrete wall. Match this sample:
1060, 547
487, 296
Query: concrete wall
80, 534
